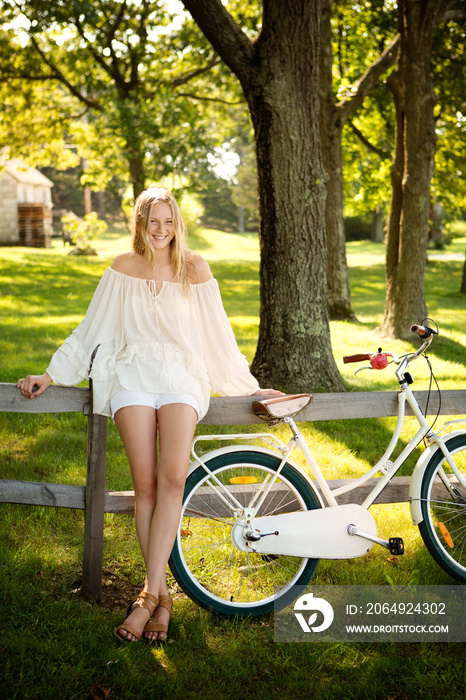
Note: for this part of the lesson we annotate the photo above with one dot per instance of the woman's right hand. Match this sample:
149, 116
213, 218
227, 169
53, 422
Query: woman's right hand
41, 382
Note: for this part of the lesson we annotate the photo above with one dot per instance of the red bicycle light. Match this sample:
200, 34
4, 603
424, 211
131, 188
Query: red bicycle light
379, 361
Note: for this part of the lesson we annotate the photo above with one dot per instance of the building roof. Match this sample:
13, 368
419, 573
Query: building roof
23, 173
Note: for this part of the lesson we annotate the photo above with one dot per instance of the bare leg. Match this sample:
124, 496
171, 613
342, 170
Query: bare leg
158, 486
138, 429
176, 424
137, 426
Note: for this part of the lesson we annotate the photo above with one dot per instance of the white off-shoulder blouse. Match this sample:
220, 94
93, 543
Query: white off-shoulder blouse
163, 343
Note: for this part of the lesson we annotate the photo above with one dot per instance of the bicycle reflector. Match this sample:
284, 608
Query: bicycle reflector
379, 361
446, 535
243, 479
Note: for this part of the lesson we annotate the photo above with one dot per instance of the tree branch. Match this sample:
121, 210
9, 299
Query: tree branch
227, 38
110, 35
379, 151
208, 99
142, 34
370, 78
58, 75
182, 80
23, 75
112, 70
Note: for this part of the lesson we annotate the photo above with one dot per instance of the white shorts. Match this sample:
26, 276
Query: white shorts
155, 401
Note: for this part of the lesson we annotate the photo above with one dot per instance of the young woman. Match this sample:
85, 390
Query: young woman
163, 343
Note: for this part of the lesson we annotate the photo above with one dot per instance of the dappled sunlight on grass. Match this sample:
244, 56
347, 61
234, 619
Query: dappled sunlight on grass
217, 245
446, 306
365, 253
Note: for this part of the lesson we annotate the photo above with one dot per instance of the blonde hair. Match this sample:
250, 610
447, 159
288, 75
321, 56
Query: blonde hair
141, 220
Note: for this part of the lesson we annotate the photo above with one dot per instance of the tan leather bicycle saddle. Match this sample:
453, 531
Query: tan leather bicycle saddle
281, 407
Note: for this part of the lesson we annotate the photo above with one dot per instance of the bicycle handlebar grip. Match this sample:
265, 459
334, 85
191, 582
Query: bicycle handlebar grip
423, 332
357, 358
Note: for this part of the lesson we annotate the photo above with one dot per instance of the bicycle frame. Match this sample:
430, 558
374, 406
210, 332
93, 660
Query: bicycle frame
337, 518
384, 465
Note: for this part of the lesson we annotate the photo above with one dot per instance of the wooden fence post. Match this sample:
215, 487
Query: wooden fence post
95, 506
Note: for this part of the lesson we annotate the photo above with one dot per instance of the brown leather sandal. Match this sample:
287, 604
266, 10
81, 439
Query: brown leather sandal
166, 602
144, 600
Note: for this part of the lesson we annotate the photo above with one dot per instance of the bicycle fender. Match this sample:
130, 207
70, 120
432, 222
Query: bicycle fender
254, 448
418, 474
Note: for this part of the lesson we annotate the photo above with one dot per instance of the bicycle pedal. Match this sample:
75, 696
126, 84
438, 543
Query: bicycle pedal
396, 545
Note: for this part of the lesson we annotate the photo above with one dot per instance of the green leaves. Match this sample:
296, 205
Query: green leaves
83, 231
123, 84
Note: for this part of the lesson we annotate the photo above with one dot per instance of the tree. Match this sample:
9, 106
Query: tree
334, 116
128, 69
23, 104
369, 134
413, 165
279, 73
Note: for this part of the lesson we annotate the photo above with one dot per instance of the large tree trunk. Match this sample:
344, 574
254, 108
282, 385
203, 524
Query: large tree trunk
412, 168
294, 348
333, 117
137, 174
279, 75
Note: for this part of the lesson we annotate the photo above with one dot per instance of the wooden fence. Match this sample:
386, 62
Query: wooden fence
95, 500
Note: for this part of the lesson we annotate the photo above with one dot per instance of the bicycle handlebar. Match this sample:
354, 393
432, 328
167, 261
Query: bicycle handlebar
423, 332
379, 360
357, 358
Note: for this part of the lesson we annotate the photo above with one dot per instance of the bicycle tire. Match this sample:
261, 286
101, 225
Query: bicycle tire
443, 527
207, 565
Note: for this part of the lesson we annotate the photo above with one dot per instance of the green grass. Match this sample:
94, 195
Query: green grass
55, 645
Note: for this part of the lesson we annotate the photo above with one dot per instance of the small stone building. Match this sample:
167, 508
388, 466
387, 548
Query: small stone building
25, 205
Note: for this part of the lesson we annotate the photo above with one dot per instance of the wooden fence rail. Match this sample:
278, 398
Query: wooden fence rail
95, 500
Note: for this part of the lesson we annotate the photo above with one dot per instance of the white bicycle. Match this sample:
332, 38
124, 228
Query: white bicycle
254, 525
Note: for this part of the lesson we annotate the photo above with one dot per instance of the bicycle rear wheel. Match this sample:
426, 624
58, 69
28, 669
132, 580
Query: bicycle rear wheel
206, 563
443, 507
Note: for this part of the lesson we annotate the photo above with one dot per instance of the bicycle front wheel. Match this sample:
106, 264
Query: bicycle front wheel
205, 561
443, 506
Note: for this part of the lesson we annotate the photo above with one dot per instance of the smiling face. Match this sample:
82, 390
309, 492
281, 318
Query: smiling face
160, 232
158, 229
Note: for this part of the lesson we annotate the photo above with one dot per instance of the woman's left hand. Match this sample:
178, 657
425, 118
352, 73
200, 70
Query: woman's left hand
268, 393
